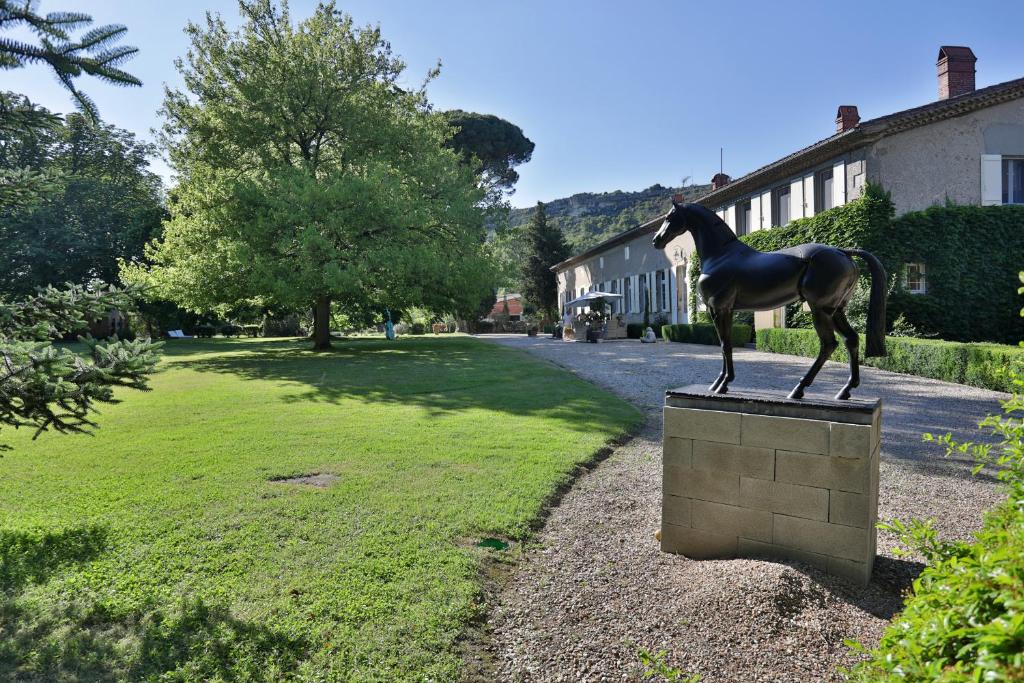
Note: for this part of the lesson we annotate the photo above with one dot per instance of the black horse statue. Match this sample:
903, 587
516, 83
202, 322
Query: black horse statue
734, 277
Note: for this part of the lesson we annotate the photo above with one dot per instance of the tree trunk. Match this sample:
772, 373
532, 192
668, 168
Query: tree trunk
322, 323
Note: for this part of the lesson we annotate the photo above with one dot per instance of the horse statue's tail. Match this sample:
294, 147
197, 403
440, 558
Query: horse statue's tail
876, 305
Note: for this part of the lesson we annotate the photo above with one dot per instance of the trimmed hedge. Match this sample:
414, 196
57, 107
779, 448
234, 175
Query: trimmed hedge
979, 365
703, 333
634, 330
971, 256
417, 328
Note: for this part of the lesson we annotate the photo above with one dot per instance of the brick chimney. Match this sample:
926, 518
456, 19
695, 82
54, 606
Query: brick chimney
956, 71
847, 118
719, 181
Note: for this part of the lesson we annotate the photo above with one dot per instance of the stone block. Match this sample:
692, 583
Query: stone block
750, 548
785, 433
786, 499
731, 520
753, 462
850, 441
695, 544
822, 471
705, 425
850, 509
851, 570
702, 485
675, 510
678, 452
823, 538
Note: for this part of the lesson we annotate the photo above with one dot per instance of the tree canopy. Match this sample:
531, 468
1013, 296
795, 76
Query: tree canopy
492, 145
89, 198
94, 53
308, 176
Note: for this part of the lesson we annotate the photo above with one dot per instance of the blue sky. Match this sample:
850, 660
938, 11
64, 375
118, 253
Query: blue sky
618, 95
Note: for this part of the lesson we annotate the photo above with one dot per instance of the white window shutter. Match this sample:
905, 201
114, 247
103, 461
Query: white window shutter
755, 214
634, 295
730, 217
796, 199
766, 210
839, 183
809, 195
991, 179
721, 213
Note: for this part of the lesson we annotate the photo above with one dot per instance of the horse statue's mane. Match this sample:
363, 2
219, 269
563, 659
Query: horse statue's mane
707, 217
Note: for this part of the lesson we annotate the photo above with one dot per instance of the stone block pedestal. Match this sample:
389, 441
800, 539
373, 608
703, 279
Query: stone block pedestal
753, 474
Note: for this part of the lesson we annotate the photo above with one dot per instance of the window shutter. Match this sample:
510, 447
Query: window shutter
991, 179
766, 210
839, 183
755, 214
634, 295
796, 199
652, 290
809, 195
730, 217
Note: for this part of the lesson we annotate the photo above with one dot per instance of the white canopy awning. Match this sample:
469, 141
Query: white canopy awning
589, 297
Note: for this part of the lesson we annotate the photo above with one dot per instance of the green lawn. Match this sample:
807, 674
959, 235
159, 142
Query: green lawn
161, 549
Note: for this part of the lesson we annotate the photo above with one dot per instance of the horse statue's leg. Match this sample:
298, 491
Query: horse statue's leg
723, 325
826, 330
852, 340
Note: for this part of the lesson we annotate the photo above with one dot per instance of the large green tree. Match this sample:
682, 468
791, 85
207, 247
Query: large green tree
308, 176
94, 53
100, 203
545, 246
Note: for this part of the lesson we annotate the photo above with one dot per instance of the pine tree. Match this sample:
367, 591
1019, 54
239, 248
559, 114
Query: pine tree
94, 53
546, 246
43, 386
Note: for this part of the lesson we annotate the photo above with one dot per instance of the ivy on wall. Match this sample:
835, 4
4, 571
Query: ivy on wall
971, 254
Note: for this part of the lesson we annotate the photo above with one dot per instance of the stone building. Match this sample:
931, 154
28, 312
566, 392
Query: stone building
967, 147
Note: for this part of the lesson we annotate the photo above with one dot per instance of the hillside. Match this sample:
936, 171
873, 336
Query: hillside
588, 218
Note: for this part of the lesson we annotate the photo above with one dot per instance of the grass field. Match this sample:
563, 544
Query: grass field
162, 549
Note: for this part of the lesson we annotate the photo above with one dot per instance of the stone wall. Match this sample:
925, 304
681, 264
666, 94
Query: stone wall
747, 475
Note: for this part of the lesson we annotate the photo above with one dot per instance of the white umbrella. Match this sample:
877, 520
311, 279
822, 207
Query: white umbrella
587, 298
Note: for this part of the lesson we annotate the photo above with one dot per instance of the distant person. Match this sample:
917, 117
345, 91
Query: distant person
648, 337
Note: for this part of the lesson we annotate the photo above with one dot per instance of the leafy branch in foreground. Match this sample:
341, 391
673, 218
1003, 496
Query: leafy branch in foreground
95, 53
49, 387
964, 620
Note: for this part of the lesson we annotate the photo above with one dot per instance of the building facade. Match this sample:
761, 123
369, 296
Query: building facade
967, 148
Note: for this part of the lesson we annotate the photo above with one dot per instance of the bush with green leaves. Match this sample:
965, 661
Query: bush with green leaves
44, 386
418, 328
703, 333
981, 365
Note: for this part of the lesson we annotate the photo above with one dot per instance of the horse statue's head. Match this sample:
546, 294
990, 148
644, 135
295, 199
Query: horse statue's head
674, 224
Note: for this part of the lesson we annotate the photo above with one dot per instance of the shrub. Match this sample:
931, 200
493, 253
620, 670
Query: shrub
634, 330
980, 365
964, 619
548, 329
418, 328
205, 330
230, 330
703, 333
484, 327
283, 326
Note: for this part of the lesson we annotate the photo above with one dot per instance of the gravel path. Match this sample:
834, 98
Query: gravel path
596, 588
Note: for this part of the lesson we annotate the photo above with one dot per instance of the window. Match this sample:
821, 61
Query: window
615, 301
659, 278
823, 190
601, 262
1013, 180
645, 294
780, 206
627, 252
743, 218
915, 280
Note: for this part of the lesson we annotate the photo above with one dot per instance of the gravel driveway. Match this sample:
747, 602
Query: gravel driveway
595, 588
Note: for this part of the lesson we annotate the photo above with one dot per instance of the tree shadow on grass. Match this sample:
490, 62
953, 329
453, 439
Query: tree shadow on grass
439, 375
50, 638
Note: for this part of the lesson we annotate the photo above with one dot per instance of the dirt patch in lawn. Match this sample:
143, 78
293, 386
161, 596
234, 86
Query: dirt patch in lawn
320, 480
